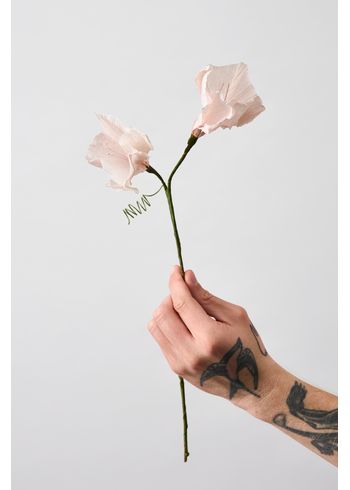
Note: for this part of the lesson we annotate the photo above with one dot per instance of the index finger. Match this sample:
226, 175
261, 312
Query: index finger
190, 311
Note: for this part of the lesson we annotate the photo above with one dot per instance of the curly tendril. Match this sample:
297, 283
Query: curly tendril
141, 206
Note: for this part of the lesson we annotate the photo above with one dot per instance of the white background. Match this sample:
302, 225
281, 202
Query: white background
95, 405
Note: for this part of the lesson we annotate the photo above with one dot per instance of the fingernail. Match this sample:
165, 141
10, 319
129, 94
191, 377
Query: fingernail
192, 280
195, 277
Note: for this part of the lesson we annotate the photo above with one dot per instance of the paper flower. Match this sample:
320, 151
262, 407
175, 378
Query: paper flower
120, 151
228, 98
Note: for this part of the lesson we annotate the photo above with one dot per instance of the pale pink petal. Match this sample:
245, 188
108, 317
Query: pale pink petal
253, 110
200, 75
237, 112
240, 89
111, 126
121, 151
126, 187
120, 170
111, 157
201, 84
101, 146
213, 115
113, 185
93, 155
133, 140
219, 79
93, 160
222, 87
139, 161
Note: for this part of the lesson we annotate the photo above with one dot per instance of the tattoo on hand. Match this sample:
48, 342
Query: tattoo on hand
241, 358
258, 340
325, 442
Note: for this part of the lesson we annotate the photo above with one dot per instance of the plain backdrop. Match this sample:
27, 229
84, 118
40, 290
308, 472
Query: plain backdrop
95, 405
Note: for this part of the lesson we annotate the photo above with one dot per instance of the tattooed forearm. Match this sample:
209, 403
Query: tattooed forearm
325, 442
318, 419
230, 365
258, 340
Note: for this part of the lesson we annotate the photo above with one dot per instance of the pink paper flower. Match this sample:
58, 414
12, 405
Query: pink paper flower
228, 98
121, 151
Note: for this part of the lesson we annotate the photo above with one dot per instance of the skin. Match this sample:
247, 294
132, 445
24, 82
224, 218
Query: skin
194, 329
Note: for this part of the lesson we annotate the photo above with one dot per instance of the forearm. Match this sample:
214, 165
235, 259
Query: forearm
214, 345
304, 412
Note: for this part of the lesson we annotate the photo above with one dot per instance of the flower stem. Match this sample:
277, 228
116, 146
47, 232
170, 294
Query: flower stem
190, 143
167, 189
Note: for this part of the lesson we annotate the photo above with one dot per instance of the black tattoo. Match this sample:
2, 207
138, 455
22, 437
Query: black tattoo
244, 359
258, 340
318, 419
325, 442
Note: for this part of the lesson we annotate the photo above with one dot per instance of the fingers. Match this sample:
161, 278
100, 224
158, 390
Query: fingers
219, 309
159, 336
189, 310
172, 335
163, 342
171, 325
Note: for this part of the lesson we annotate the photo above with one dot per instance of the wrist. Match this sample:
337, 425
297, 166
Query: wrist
275, 386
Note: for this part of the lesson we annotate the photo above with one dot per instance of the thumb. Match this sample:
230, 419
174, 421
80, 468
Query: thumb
218, 308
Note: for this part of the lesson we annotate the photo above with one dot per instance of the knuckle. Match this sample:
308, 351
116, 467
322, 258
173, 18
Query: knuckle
179, 305
206, 295
158, 314
151, 326
178, 369
167, 303
212, 349
240, 313
189, 367
195, 364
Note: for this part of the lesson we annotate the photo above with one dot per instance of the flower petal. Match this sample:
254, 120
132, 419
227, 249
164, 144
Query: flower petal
93, 155
111, 127
212, 115
201, 84
119, 169
139, 161
237, 112
112, 158
222, 87
219, 80
93, 160
133, 140
101, 147
126, 187
121, 151
240, 89
129, 138
253, 110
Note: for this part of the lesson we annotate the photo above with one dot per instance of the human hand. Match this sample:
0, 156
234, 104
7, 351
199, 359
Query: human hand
213, 344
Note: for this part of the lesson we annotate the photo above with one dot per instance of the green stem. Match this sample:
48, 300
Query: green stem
167, 189
175, 229
190, 143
